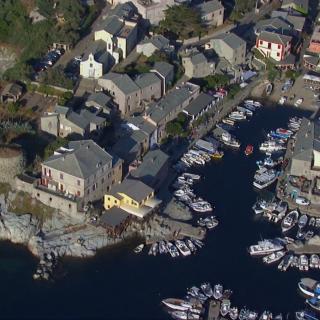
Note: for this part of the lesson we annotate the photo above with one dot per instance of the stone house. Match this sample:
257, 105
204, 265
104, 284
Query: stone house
165, 71
276, 24
101, 102
63, 122
153, 169
119, 31
82, 171
95, 61
130, 94
296, 21
211, 12
11, 93
150, 10
149, 46
165, 110
196, 65
229, 46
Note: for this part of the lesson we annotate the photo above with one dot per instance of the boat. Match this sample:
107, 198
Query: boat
139, 248
309, 234
180, 304
191, 245
271, 146
306, 315
234, 313
237, 116
225, 307
192, 176
265, 247
162, 247
312, 221
153, 249
309, 287
302, 222
273, 257
172, 250
284, 132
278, 317
282, 100
269, 88
249, 150
182, 247
197, 242
257, 207
207, 289
314, 303
302, 201
218, 291
289, 220
252, 315
229, 140
217, 155
264, 177
245, 111
228, 121
243, 315
266, 315
314, 261
303, 263
201, 206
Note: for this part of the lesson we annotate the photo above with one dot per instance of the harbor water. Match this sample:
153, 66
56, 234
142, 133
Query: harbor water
118, 284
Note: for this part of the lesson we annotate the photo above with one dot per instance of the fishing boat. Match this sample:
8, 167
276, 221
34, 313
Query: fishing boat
273, 257
225, 307
290, 220
218, 291
265, 247
306, 315
264, 177
139, 248
309, 287
249, 150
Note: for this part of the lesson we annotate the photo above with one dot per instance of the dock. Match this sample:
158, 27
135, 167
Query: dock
213, 310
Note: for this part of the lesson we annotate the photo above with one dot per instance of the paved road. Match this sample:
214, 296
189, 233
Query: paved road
86, 41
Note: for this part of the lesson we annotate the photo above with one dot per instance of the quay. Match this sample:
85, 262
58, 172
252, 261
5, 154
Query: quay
310, 247
213, 310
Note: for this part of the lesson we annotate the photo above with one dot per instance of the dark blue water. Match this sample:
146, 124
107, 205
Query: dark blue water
117, 284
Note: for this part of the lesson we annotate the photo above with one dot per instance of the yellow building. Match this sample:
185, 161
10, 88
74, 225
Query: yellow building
132, 196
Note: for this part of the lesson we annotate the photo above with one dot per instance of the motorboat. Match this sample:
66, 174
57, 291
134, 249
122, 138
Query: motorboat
237, 116
302, 222
283, 100
271, 146
301, 201
207, 289
243, 315
298, 102
306, 315
162, 247
264, 177
234, 313
266, 315
198, 242
252, 315
273, 257
180, 304
265, 247
139, 248
314, 303
191, 245
192, 176
172, 250
201, 206
309, 287
284, 132
229, 140
245, 111
182, 247
218, 291
217, 155
225, 307
248, 150
153, 249
289, 220
303, 263
228, 121
257, 207
314, 261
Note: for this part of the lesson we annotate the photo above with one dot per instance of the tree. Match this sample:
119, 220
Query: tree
182, 118
174, 129
51, 147
182, 21
216, 81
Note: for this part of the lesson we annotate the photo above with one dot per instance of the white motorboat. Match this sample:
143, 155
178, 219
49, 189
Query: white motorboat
282, 100
191, 176
218, 291
197, 242
290, 220
153, 249
180, 304
234, 313
273, 257
264, 177
201, 206
271, 146
182, 247
237, 116
314, 261
172, 250
139, 248
302, 222
265, 247
191, 245
245, 111
207, 289
303, 263
162, 247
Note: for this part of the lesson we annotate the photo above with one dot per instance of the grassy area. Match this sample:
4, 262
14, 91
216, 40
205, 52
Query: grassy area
23, 204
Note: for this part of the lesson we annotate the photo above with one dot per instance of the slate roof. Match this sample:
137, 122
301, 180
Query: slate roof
78, 120
297, 22
124, 10
143, 124
199, 103
122, 81
146, 79
159, 110
150, 167
274, 37
91, 117
114, 217
209, 6
135, 189
198, 58
158, 41
99, 98
82, 161
231, 39
272, 24
61, 109
164, 68
112, 25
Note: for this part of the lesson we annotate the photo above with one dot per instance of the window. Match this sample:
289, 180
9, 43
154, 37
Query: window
78, 193
261, 42
269, 45
91, 65
109, 46
49, 173
108, 198
78, 182
102, 181
279, 46
61, 176
88, 192
278, 54
45, 171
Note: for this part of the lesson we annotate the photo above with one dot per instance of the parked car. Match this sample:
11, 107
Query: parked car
302, 201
